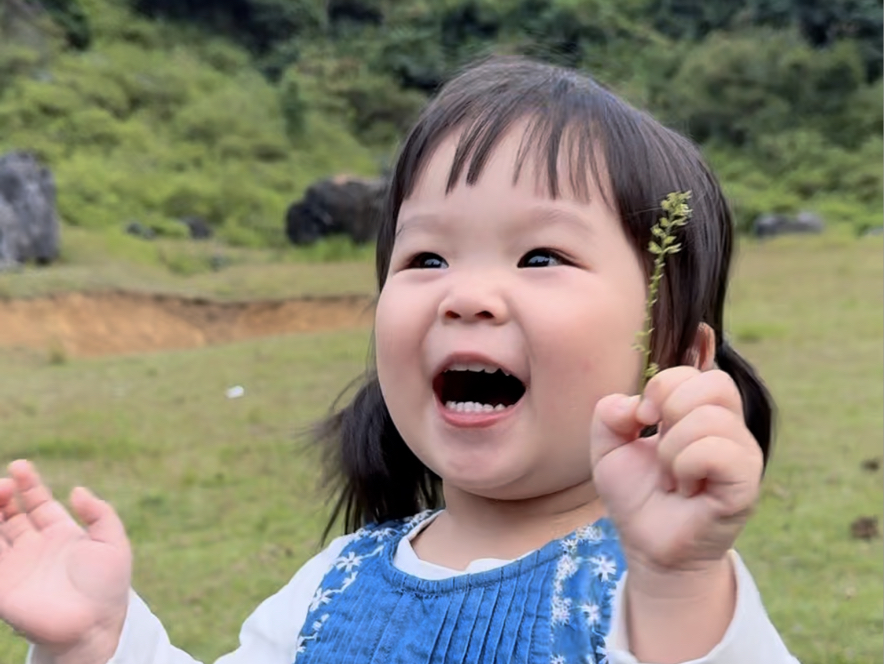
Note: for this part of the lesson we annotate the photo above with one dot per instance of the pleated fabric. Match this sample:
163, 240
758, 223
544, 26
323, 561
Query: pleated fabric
551, 606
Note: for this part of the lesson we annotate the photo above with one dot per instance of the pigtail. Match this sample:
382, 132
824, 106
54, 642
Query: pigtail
368, 467
758, 405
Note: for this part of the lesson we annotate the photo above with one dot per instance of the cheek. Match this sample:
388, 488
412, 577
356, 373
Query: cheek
590, 349
387, 333
399, 334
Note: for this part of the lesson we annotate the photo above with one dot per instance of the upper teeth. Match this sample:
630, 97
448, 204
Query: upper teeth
475, 366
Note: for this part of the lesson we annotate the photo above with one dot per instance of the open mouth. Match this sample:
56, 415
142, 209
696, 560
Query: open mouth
477, 388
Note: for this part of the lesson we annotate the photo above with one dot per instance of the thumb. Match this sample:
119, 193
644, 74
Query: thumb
613, 424
100, 519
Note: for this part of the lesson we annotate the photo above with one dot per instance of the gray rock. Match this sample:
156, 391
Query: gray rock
137, 229
29, 226
342, 205
198, 227
809, 222
771, 225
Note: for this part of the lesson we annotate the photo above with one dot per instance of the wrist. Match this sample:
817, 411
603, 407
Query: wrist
96, 647
679, 615
660, 584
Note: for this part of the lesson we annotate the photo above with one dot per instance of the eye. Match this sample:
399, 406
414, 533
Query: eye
427, 261
542, 258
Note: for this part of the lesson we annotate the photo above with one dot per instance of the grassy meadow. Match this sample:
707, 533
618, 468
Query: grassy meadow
220, 498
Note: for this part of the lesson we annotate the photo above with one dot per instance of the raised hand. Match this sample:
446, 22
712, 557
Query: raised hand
62, 586
680, 498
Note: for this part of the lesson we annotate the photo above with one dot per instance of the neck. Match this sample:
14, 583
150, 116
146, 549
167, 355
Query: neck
473, 527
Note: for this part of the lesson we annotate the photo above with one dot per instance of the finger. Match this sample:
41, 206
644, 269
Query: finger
674, 401
15, 526
35, 498
4, 543
13, 523
613, 424
703, 421
657, 391
8, 502
707, 388
714, 462
7, 493
100, 519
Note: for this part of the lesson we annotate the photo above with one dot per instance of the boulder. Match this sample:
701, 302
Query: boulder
198, 227
138, 229
771, 225
342, 205
29, 226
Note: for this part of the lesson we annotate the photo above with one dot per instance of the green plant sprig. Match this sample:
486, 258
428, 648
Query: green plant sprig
662, 244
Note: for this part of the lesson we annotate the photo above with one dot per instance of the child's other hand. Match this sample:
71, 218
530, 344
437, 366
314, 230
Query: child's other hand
679, 498
61, 586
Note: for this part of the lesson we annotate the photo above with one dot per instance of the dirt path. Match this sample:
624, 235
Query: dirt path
92, 324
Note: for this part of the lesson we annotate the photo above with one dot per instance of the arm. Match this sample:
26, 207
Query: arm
679, 499
746, 635
268, 636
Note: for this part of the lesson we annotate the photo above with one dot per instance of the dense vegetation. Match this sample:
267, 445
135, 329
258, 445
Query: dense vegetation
227, 109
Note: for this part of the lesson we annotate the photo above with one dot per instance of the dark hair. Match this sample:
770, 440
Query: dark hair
639, 162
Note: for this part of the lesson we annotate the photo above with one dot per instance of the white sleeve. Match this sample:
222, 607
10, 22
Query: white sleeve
751, 637
268, 636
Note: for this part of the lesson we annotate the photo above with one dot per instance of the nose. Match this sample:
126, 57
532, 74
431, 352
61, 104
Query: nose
474, 300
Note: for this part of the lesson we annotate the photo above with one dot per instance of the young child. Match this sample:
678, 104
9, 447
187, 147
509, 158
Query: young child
495, 478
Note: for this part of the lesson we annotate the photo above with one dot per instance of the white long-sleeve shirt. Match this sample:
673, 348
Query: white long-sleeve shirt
270, 634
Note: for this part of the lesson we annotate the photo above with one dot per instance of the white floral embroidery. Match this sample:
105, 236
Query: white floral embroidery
570, 545
412, 521
347, 582
586, 572
566, 568
605, 568
321, 597
380, 533
348, 562
302, 640
591, 613
590, 534
561, 611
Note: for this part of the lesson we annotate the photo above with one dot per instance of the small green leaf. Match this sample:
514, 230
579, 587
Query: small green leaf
654, 248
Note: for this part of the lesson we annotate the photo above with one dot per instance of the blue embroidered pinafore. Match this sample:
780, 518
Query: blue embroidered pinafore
552, 606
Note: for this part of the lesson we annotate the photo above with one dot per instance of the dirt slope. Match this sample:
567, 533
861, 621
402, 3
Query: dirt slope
91, 324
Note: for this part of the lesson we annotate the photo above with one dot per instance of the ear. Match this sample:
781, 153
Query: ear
703, 348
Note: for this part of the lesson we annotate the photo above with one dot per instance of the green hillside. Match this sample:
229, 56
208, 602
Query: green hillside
152, 110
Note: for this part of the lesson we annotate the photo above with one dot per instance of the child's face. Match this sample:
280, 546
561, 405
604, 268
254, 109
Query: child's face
502, 275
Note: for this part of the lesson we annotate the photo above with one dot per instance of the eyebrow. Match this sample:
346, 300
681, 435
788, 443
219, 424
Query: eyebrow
545, 214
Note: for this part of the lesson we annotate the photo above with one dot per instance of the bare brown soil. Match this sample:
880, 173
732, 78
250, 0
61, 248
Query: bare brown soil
107, 323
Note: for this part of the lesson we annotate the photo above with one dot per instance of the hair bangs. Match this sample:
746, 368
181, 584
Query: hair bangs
549, 107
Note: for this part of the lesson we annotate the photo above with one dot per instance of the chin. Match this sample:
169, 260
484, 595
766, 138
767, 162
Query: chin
486, 480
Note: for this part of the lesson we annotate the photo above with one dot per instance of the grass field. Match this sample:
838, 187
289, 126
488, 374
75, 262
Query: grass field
221, 502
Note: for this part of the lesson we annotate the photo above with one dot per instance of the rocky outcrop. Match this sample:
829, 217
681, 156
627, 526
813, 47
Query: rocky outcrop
342, 205
771, 225
29, 227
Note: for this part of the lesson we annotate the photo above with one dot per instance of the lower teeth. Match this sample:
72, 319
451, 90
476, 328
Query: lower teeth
473, 407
